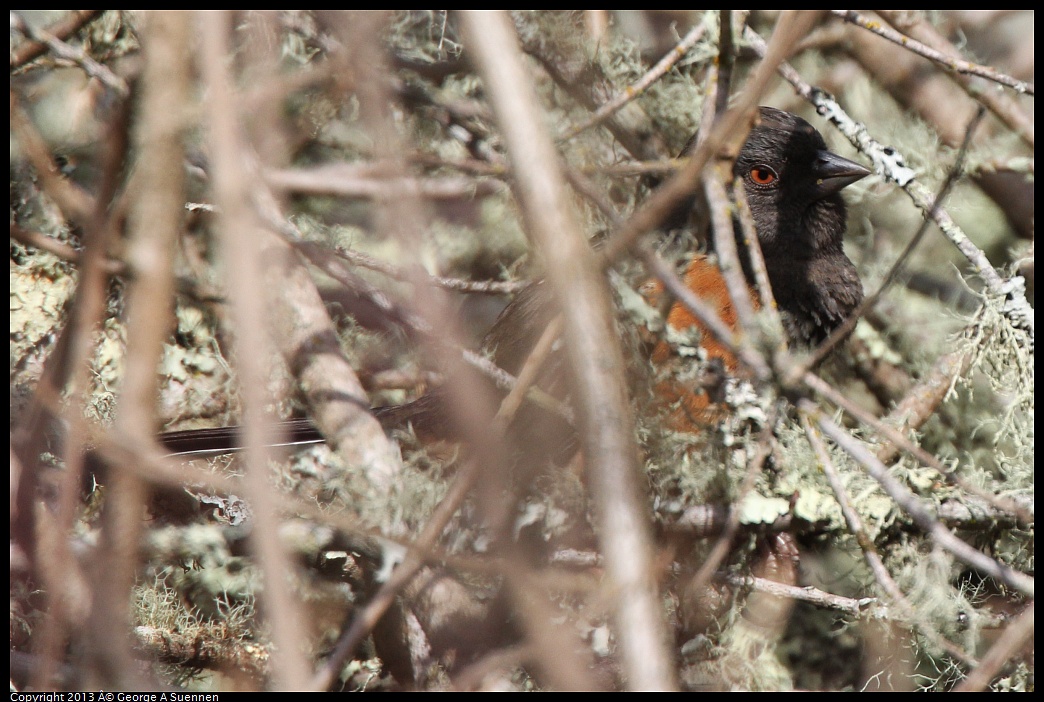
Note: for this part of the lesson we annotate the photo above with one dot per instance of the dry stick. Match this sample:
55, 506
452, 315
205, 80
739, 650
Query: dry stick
636, 89
948, 61
726, 57
470, 401
346, 180
479, 287
814, 596
588, 85
155, 222
1002, 653
240, 229
866, 545
62, 29
1002, 105
921, 515
41, 241
757, 262
66, 368
921, 401
728, 256
308, 340
593, 351
74, 54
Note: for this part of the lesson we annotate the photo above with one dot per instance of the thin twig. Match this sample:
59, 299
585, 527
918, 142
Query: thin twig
893, 435
242, 247
354, 181
947, 61
71, 53
728, 257
757, 261
592, 348
1001, 104
62, 29
814, 596
635, 90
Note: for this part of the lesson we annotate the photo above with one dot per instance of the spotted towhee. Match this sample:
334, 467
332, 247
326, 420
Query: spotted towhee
793, 185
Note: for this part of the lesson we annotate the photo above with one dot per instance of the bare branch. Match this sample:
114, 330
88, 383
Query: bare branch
946, 60
594, 353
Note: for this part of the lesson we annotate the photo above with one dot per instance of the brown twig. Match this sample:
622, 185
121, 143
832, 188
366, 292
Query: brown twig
75, 55
354, 181
61, 30
814, 596
1002, 105
242, 251
66, 370
923, 399
155, 224
948, 60
728, 257
635, 90
587, 84
592, 348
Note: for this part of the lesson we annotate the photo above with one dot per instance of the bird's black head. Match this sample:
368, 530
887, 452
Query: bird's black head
793, 184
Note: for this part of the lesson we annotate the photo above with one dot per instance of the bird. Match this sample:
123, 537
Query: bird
793, 184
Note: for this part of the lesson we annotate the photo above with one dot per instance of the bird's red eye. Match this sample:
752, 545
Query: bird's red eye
763, 175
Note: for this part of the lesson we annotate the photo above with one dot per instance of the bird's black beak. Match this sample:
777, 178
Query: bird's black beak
834, 172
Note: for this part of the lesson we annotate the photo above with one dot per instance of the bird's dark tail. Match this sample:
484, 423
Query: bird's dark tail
426, 415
